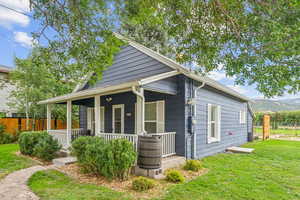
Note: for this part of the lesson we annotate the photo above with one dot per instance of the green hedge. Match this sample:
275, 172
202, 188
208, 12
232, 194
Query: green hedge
112, 159
6, 138
39, 144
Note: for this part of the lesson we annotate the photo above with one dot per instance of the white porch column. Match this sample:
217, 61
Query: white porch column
69, 121
97, 104
140, 112
49, 116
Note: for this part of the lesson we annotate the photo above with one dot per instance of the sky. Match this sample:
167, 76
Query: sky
16, 40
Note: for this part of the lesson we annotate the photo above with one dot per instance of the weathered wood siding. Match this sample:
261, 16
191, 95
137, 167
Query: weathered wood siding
232, 131
130, 64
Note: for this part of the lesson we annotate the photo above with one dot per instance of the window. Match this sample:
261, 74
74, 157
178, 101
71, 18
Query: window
242, 117
102, 119
214, 123
154, 117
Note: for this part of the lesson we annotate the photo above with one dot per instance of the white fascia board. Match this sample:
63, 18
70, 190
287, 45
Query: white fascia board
158, 77
91, 92
85, 81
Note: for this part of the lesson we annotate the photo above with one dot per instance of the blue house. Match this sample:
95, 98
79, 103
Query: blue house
144, 92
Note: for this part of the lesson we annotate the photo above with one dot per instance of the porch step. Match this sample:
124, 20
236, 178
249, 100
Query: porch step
64, 161
240, 150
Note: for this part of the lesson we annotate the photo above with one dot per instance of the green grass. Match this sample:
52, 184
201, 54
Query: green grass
271, 172
288, 132
10, 162
53, 185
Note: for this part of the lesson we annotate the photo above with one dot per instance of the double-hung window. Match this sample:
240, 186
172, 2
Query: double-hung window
242, 116
155, 117
213, 123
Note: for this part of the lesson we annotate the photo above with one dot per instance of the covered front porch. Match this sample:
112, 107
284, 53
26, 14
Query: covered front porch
123, 114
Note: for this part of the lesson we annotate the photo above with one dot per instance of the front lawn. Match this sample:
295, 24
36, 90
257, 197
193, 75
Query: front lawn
287, 132
272, 172
10, 162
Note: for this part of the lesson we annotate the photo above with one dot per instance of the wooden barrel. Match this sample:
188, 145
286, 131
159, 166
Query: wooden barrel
150, 152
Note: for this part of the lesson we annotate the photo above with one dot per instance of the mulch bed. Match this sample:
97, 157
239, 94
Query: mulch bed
74, 171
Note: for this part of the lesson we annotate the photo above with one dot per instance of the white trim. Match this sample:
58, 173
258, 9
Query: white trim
49, 108
160, 115
97, 103
216, 123
122, 117
69, 121
102, 119
158, 77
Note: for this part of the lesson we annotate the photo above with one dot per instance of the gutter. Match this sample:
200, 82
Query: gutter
194, 116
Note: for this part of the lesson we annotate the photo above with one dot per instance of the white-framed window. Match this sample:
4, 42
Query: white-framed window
213, 123
102, 119
155, 117
118, 118
242, 116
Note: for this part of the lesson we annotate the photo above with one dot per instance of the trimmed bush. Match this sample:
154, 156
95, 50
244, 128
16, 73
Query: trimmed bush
46, 148
79, 147
39, 144
111, 159
174, 176
142, 184
28, 140
6, 138
193, 165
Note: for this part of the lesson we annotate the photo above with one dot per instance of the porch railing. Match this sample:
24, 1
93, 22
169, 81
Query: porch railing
61, 136
133, 138
168, 143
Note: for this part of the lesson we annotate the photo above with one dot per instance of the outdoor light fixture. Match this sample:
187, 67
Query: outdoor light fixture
108, 99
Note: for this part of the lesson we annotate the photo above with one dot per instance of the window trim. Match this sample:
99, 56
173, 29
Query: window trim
122, 117
217, 124
102, 119
243, 113
158, 112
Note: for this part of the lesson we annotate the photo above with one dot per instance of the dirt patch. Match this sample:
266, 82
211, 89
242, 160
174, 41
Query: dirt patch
285, 137
74, 171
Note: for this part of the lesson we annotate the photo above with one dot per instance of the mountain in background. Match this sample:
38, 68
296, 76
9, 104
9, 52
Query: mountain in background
259, 105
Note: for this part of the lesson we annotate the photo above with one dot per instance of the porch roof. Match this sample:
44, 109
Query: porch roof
111, 89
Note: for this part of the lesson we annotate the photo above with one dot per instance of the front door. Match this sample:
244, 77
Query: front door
118, 118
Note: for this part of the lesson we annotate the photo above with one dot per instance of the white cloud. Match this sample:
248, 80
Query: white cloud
23, 39
238, 88
10, 17
219, 75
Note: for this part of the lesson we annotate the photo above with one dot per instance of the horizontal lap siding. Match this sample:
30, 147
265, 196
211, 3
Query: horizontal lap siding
232, 132
168, 85
130, 64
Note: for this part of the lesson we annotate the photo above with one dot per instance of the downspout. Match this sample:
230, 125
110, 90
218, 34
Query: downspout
141, 95
194, 117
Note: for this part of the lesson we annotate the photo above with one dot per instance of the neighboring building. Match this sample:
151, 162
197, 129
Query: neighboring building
5, 90
144, 92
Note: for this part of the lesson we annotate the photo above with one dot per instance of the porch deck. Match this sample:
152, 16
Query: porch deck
168, 139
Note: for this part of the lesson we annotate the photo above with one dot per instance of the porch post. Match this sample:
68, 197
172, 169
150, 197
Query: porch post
97, 104
140, 110
69, 121
49, 116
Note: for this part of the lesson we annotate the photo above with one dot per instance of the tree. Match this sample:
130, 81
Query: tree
37, 78
257, 42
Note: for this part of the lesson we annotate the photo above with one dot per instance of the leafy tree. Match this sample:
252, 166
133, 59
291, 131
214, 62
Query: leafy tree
37, 78
257, 42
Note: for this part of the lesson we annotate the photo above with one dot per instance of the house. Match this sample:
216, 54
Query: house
144, 92
5, 89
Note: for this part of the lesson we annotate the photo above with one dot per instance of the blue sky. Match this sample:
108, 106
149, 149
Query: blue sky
15, 40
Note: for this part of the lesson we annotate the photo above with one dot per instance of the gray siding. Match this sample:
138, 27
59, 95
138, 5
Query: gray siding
83, 116
168, 85
232, 132
130, 64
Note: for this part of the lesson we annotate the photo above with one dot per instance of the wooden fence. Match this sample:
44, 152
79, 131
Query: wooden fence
13, 125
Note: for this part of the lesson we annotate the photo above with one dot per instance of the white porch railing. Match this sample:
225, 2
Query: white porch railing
61, 136
168, 143
111, 136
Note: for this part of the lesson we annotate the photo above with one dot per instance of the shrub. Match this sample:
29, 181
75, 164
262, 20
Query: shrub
46, 147
2, 128
6, 138
39, 144
111, 159
79, 147
142, 183
28, 140
174, 176
193, 165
